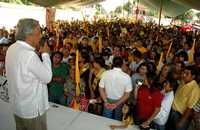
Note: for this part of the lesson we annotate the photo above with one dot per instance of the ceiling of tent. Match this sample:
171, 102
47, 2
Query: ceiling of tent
195, 4
171, 8
72, 4
64, 3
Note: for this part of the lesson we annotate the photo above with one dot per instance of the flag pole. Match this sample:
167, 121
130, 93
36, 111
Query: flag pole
77, 74
169, 49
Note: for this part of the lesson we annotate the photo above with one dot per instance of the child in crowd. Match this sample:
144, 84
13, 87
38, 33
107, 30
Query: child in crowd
70, 89
127, 118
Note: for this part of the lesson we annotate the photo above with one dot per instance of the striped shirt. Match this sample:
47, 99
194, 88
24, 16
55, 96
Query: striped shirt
197, 106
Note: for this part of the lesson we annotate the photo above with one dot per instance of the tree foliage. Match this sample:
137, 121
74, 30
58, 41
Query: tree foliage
188, 14
118, 10
99, 9
128, 7
26, 2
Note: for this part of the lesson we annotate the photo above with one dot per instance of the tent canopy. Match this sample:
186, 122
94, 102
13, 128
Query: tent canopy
74, 4
171, 8
64, 3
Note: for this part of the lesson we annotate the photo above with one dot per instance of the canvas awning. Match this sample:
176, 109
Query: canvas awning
171, 8
73, 4
64, 3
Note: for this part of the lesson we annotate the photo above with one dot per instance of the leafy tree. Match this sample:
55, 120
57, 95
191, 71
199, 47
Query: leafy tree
128, 7
99, 9
118, 10
153, 13
26, 2
188, 14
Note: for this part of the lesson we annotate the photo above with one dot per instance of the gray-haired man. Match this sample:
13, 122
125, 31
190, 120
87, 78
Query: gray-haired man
27, 77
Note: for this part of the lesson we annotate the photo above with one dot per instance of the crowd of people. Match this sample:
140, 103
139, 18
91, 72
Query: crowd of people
138, 73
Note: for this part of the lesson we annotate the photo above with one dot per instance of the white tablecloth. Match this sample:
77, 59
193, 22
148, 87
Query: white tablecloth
59, 118
6, 117
62, 118
87, 121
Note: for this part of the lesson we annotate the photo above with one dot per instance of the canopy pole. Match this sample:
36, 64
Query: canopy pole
123, 9
137, 10
161, 7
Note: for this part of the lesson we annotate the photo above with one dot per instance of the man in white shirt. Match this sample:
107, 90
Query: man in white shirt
115, 87
162, 117
137, 60
27, 77
116, 52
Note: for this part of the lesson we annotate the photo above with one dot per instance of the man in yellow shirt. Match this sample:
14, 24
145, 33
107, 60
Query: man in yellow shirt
186, 97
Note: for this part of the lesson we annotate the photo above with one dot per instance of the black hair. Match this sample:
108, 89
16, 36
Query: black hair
170, 81
193, 71
99, 60
137, 53
85, 55
106, 52
183, 54
73, 54
154, 84
142, 64
55, 53
196, 55
151, 67
117, 62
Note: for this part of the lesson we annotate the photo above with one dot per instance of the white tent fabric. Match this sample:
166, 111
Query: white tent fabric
170, 7
195, 4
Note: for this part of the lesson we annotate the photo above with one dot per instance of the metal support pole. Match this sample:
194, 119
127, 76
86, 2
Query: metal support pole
123, 9
137, 10
161, 7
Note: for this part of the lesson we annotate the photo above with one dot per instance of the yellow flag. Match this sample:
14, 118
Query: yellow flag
142, 49
77, 74
100, 44
160, 62
169, 49
85, 27
192, 51
74, 104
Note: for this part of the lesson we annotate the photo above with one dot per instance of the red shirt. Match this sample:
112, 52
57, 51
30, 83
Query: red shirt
147, 101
